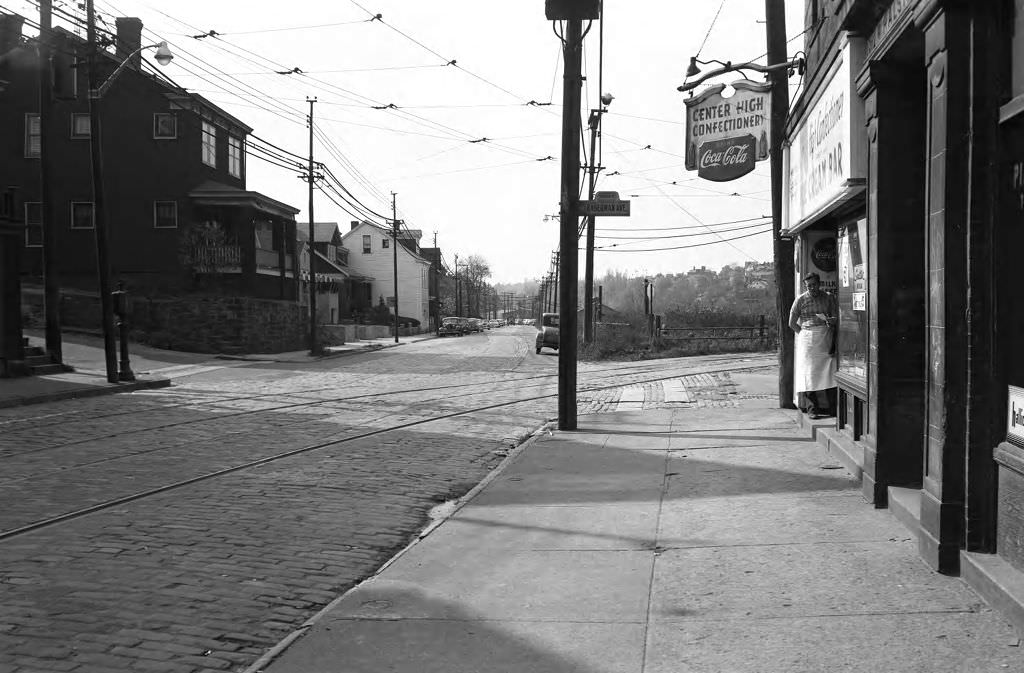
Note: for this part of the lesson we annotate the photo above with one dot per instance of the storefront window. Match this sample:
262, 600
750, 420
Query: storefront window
852, 343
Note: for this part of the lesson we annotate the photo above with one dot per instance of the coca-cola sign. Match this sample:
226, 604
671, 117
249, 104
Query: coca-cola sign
726, 159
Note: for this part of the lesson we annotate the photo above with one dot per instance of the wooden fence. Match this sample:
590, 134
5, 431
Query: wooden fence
762, 334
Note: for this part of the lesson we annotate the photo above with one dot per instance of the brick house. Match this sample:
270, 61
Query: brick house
179, 215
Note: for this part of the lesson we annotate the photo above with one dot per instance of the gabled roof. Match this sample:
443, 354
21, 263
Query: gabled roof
385, 232
328, 266
325, 231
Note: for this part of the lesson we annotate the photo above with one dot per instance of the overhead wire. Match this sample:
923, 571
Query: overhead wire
743, 227
683, 247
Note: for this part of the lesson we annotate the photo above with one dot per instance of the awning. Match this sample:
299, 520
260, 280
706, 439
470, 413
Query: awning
853, 189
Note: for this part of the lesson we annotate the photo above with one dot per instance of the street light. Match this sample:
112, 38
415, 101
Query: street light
96, 92
793, 64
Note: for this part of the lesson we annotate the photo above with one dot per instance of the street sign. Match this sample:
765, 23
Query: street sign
604, 207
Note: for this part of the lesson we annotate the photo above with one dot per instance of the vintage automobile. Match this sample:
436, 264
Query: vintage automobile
547, 337
451, 327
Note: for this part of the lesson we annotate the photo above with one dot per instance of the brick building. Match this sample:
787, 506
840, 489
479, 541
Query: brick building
174, 167
904, 189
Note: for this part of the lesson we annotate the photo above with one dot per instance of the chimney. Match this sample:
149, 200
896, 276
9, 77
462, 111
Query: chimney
10, 32
129, 39
353, 224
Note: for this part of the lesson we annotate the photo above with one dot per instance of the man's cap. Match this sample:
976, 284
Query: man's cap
813, 276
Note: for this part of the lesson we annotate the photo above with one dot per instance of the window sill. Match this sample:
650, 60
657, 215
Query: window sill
855, 384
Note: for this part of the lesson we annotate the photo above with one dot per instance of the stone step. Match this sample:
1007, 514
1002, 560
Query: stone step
44, 369
37, 359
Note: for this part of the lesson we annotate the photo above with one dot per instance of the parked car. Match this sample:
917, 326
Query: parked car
547, 337
475, 325
451, 327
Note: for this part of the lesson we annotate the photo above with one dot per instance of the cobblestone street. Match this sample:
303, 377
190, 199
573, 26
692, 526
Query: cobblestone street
192, 528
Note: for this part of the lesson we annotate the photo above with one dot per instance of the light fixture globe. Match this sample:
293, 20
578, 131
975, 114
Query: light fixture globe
163, 54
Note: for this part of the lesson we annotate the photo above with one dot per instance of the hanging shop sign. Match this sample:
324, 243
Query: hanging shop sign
822, 164
726, 136
1015, 415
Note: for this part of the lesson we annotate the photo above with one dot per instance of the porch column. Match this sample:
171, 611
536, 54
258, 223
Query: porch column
893, 443
946, 26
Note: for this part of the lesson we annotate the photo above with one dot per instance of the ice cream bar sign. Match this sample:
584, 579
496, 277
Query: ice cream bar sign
728, 134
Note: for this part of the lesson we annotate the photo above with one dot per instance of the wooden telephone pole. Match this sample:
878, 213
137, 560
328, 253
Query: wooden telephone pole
775, 24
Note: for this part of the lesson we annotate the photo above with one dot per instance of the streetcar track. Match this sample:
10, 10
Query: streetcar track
602, 374
92, 509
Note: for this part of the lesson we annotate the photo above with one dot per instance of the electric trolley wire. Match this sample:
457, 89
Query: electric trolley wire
744, 227
688, 226
683, 247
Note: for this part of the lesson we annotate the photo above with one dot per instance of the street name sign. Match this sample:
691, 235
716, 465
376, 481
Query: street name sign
604, 207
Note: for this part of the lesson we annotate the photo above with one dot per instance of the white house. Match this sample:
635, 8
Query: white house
371, 255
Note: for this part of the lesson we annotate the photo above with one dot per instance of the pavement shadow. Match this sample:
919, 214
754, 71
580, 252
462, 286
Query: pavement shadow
573, 472
398, 626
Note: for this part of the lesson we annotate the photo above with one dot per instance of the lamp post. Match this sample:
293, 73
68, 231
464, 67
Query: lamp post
96, 92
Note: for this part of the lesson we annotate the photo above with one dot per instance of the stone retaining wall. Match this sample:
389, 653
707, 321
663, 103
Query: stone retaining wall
196, 323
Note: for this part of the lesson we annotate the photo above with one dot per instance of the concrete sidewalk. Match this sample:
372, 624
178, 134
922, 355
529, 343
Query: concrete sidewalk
718, 540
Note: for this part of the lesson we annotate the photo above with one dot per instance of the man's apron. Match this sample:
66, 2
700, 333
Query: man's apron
813, 367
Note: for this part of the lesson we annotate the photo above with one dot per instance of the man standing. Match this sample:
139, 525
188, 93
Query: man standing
813, 318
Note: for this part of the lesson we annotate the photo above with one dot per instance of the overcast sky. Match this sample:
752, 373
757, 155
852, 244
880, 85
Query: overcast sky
488, 197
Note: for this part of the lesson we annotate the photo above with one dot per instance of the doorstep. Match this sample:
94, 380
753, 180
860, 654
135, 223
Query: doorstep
842, 448
905, 505
997, 582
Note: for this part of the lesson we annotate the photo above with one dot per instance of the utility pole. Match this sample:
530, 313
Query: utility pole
314, 345
51, 282
394, 254
434, 264
569, 221
556, 259
458, 303
775, 20
588, 271
99, 201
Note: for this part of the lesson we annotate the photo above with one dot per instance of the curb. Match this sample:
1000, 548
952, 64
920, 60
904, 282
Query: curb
106, 389
259, 666
368, 348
